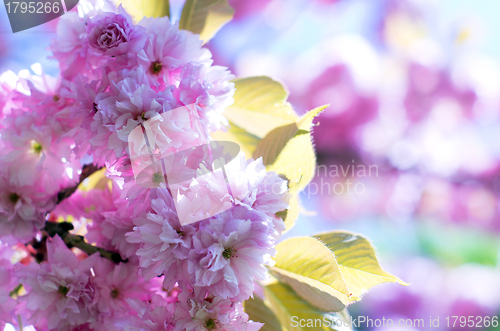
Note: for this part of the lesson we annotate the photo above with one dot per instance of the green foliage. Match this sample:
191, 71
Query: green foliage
247, 141
314, 276
260, 105
357, 261
292, 213
146, 8
279, 150
205, 17
288, 307
258, 311
310, 268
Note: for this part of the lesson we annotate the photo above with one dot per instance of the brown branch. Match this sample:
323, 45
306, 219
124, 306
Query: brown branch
73, 240
87, 170
62, 229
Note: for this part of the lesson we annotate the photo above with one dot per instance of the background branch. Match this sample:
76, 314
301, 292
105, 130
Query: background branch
87, 170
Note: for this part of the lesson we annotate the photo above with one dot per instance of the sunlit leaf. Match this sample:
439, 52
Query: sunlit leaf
258, 311
310, 268
273, 143
247, 141
145, 8
205, 17
290, 215
97, 180
290, 310
288, 150
357, 261
260, 105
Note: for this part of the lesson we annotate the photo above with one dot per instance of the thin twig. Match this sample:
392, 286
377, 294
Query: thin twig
73, 240
87, 170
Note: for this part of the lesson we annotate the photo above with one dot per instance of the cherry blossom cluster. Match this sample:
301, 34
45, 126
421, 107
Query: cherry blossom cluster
115, 75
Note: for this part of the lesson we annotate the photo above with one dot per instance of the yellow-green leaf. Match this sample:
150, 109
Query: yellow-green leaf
292, 311
258, 311
290, 215
357, 261
260, 105
273, 143
305, 122
247, 141
310, 268
217, 17
97, 180
146, 8
205, 17
288, 150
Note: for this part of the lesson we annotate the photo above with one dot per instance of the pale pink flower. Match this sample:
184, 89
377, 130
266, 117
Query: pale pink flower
115, 285
168, 48
43, 91
37, 137
10, 93
7, 283
108, 216
115, 34
22, 209
198, 310
201, 197
165, 244
130, 102
229, 252
85, 108
110, 230
58, 292
255, 188
71, 48
154, 315
209, 87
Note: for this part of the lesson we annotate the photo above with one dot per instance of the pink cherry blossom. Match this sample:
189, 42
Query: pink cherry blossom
130, 102
165, 244
71, 48
115, 285
199, 310
58, 292
7, 284
154, 315
168, 48
22, 209
229, 252
114, 34
207, 86
128, 94
255, 188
